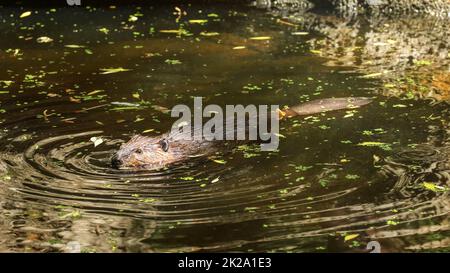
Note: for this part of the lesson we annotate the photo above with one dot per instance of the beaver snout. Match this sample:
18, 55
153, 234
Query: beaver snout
116, 162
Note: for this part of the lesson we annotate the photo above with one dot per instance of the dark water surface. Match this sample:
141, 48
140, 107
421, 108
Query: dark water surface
339, 179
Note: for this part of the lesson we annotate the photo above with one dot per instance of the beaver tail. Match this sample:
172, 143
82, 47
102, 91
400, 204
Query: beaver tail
324, 105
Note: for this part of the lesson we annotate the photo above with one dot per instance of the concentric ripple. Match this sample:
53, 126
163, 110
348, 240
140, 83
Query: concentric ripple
67, 173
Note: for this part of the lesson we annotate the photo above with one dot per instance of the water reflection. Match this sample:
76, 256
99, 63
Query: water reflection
409, 55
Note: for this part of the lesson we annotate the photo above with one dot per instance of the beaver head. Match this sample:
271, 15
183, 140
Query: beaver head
143, 152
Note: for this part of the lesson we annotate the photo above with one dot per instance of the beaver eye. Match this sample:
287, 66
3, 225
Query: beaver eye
164, 145
138, 151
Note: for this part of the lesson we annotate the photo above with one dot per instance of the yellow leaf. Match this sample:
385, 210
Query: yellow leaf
350, 237
239, 47
371, 143
204, 33
113, 70
169, 31
300, 33
316, 51
220, 161
133, 18
25, 14
95, 92
260, 38
198, 21
433, 187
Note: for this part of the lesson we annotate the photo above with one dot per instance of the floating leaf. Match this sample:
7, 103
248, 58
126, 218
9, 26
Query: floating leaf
352, 176
170, 31
349, 115
198, 21
300, 33
187, 178
215, 180
173, 62
74, 214
220, 161
239, 47
161, 109
382, 145
350, 237
104, 30
260, 38
399, 106
7, 83
96, 140
74, 46
25, 14
422, 62
113, 70
373, 75
132, 18
315, 51
44, 39
391, 222
433, 187
209, 34
95, 92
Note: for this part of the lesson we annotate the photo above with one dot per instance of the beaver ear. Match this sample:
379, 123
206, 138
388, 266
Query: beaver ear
164, 144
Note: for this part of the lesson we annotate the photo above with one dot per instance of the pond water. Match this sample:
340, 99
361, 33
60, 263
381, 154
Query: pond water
339, 180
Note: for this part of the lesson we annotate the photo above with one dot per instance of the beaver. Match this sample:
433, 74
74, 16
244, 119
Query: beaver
156, 152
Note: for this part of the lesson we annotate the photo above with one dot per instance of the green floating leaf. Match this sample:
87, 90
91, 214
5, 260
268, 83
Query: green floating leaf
172, 62
220, 161
422, 62
198, 21
391, 222
433, 187
104, 30
384, 146
350, 237
113, 70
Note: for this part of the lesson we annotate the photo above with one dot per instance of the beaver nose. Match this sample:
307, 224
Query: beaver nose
116, 162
